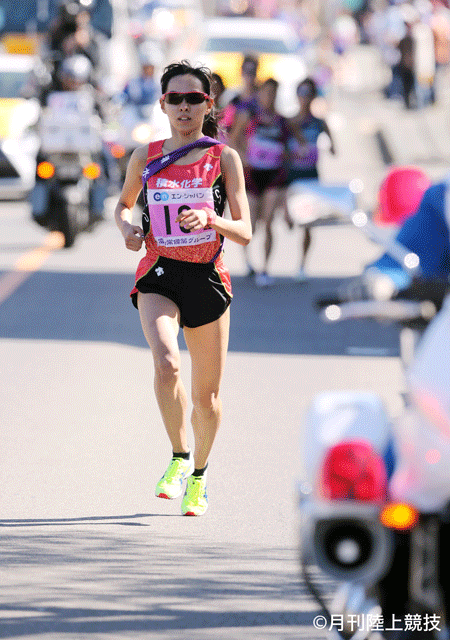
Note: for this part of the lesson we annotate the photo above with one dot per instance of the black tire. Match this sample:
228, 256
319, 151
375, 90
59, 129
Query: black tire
68, 224
393, 593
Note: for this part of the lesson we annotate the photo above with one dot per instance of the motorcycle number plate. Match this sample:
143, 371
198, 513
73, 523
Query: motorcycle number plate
68, 137
68, 171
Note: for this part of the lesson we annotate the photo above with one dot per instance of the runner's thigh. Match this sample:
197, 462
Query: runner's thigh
160, 319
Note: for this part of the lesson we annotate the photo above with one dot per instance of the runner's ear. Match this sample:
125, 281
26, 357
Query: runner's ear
210, 102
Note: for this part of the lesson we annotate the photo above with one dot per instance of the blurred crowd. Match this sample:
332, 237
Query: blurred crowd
413, 37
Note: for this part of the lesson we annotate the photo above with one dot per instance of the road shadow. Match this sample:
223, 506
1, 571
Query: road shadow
128, 520
281, 319
284, 319
104, 582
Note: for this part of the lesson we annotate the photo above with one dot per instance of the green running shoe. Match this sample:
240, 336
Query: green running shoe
170, 485
195, 500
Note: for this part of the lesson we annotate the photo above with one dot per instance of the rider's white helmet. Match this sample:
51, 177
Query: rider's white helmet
77, 68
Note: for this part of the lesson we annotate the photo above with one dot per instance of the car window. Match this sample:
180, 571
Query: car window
11, 83
261, 45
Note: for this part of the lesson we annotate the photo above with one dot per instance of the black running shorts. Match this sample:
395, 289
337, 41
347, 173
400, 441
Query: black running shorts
202, 292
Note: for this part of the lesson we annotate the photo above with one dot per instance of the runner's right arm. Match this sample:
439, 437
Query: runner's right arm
132, 234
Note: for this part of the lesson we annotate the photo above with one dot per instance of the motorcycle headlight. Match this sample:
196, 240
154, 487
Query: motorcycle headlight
45, 170
92, 171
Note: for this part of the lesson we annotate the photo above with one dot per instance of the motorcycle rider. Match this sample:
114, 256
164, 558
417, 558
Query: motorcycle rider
426, 234
73, 76
137, 107
72, 33
143, 90
416, 578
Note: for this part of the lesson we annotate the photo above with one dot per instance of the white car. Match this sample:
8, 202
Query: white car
18, 143
225, 41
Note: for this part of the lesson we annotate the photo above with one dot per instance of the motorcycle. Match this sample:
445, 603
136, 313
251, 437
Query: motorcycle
71, 182
134, 125
374, 500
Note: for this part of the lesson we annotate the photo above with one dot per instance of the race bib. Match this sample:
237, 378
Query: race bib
263, 153
303, 156
166, 205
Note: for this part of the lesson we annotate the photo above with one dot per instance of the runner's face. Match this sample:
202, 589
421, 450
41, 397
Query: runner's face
267, 95
186, 117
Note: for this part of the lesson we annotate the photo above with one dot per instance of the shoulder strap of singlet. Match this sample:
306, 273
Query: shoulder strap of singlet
160, 162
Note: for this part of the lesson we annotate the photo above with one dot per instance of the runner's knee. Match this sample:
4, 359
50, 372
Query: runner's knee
167, 368
206, 399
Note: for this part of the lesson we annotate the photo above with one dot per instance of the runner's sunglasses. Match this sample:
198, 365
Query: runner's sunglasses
192, 97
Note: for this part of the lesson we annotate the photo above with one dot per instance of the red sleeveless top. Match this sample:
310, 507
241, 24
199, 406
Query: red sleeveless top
177, 188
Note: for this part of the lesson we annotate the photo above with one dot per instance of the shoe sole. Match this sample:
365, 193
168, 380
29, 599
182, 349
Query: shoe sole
166, 497
192, 513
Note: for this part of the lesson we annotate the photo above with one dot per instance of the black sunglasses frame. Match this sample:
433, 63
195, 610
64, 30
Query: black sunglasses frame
191, 97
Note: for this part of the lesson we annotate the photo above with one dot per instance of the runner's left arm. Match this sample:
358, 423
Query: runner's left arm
239, 228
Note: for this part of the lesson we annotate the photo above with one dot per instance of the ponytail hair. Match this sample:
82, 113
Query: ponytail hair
210, 123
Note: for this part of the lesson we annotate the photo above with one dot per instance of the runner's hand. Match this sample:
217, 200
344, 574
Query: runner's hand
193, 219
133, 236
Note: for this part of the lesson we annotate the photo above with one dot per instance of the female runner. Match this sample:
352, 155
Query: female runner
260, 134
182, 280
303, 157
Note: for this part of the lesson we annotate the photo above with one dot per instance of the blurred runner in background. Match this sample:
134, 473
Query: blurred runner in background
302, 159
245, 99
218, 89
260, 134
